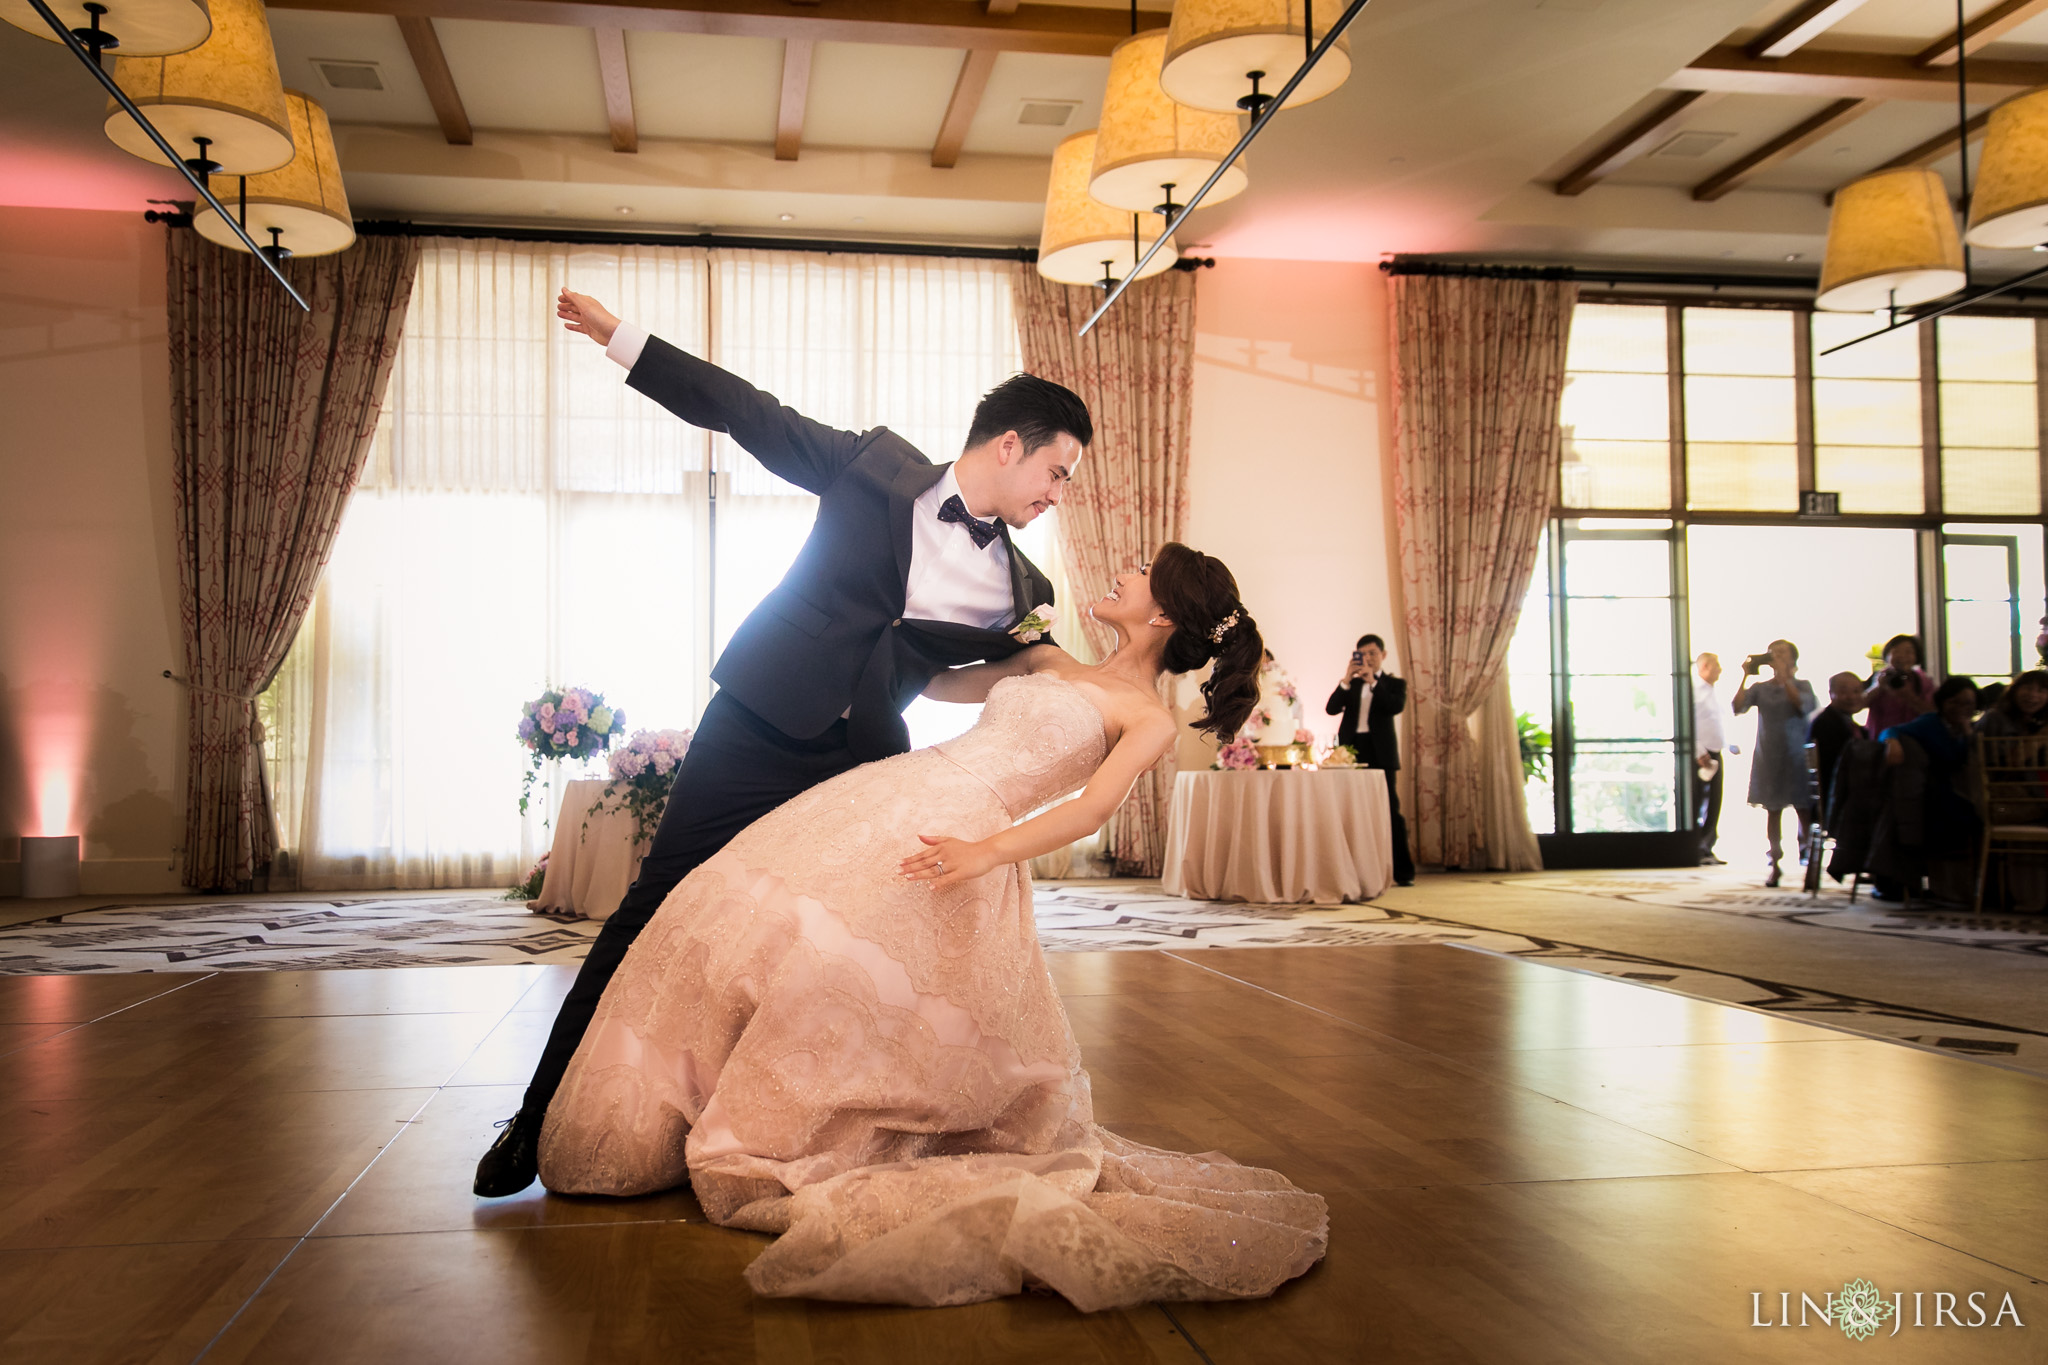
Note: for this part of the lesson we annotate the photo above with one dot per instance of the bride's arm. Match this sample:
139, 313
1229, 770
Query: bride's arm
1143, 741
972, 683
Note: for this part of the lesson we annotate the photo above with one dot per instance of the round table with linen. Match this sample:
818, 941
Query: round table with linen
1280, 835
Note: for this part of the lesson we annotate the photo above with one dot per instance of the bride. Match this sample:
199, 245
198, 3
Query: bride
837, 1035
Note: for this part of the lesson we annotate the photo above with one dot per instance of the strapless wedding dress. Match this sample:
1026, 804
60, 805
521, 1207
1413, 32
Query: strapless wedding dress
882, 1072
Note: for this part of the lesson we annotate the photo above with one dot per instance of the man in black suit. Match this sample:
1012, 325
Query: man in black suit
908, 570
1368, 700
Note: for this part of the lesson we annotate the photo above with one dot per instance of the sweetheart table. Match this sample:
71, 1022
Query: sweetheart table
590, 869
1280, 835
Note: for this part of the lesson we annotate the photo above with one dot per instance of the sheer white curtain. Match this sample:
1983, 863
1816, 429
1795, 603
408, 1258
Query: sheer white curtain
527, 519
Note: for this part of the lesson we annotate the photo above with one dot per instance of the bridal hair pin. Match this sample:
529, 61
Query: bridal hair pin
1222, 628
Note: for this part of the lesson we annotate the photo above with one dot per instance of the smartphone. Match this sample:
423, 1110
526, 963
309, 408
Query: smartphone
1357, 657
1757, 663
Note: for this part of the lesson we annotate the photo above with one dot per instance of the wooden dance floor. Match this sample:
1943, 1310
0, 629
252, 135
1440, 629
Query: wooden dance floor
1522, 1164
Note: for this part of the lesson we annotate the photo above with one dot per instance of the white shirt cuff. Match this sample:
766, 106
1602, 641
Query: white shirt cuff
627, 344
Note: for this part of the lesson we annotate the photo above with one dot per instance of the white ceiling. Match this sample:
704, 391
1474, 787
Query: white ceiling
1457, 118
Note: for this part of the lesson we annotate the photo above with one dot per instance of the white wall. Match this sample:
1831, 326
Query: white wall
1291, 461
91, 736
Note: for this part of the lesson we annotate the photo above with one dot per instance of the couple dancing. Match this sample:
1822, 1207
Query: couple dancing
823, 1004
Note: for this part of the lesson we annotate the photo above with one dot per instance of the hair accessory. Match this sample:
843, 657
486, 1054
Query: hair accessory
1222, 628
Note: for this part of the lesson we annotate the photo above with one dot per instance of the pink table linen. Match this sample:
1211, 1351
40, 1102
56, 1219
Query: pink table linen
1280, 836
589, 870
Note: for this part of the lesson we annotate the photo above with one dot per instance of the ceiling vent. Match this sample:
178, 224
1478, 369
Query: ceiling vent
349, 75
1692, 145
1047, 113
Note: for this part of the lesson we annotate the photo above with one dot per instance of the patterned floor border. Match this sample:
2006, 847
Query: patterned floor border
368, 932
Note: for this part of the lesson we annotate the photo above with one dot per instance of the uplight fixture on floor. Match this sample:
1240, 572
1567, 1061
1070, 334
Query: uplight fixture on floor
303, 208
49, 866
222, 99
1231, 55
1148, 143
135, 28
1892, 243
1085, 241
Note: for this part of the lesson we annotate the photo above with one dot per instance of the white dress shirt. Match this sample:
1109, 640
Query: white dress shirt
1709, 731
951, 578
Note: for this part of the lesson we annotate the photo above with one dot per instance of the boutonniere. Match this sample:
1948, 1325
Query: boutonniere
1036, 622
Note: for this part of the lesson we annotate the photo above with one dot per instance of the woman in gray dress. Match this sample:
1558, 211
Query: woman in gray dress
1778, 775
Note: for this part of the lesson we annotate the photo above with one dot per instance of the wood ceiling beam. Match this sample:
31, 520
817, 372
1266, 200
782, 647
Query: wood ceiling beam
432, 64
960, 110
618, 89
1640, 137
1941, 145
1985, 29
796, 92
1801, 27
1852, 75
1787, 144
1067, 29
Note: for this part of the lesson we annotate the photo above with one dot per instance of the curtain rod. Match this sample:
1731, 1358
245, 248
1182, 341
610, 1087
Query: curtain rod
380, 227
1669, 278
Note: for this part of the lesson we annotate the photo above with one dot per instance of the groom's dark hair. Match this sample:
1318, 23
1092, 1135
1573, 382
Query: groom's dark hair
1038, 410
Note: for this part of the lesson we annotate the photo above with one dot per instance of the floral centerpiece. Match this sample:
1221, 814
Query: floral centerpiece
1340, 756
643, 774
1238, 755
568, 722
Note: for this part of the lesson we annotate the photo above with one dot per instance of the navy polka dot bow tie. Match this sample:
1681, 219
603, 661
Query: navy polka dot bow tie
953, 509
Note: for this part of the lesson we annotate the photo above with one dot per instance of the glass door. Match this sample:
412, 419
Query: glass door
1980, 590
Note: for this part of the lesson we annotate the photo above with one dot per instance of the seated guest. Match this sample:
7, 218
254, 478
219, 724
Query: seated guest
1834, 727
1368, 699
1933, 820
1900, 690
2021, 710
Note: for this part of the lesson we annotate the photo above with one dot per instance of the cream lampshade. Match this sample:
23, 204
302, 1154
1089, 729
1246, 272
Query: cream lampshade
304, 202
1084, 240
1147, 141
2009, 207
225, 90
1214, 46
1891, 241
141, 28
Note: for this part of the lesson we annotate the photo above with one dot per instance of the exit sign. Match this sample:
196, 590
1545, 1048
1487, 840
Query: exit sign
1820, 504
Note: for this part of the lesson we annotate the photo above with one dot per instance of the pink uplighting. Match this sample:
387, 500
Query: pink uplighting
56, 802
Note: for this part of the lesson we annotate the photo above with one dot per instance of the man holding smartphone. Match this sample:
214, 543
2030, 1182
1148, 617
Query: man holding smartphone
1368, 699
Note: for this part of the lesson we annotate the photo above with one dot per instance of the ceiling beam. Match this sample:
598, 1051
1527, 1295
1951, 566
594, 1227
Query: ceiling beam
1985, 29
1852, 75
1941, 145
432, 63
1640, 137
1067, 29
618, 89
1801, 27
967, 93
1787, 144
796, 92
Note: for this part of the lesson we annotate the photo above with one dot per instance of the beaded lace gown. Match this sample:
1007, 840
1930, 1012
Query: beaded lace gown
881, 1071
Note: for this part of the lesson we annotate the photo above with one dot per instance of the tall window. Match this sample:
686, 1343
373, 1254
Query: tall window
525, 519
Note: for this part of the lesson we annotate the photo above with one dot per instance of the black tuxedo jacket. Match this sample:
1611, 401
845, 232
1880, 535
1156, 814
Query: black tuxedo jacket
1379, 746
831, 636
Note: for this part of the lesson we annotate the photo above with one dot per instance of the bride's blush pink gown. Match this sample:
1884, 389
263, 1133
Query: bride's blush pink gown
882, 1072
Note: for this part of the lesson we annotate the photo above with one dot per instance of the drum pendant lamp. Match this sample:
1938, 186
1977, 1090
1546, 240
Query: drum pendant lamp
302, 209
1085, 241
2009, 207
133, 28
223, 99
1148, 144
1892, 243
1231, 55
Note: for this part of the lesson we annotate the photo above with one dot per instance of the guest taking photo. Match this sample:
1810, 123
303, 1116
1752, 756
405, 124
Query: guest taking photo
1367, 700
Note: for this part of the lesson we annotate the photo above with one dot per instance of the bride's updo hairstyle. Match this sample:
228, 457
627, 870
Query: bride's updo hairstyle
1200, 595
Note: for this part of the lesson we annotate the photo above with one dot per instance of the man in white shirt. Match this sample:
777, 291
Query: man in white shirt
908, 570
1709, 740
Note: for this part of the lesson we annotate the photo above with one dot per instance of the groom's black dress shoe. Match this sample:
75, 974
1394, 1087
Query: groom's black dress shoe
513, 1160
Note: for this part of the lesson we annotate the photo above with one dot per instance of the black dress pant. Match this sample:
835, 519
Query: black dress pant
1707, 817
1404, 861
738, 768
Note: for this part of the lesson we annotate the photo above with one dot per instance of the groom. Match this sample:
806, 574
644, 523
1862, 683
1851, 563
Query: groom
908, 570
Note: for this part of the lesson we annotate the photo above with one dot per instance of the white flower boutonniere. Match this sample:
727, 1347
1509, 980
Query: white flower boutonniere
1036, 623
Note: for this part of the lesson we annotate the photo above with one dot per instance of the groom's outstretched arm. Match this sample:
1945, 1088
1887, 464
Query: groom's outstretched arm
790, 445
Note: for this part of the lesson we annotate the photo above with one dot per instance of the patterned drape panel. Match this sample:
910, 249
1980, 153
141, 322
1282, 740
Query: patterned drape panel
272, 409
1478, 371
1130, 495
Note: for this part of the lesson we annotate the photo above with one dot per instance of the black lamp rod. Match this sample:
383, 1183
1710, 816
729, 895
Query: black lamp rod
1953, 306
1273, 107
198, 181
